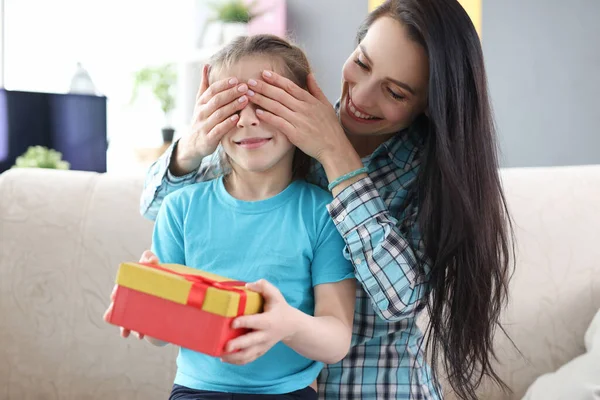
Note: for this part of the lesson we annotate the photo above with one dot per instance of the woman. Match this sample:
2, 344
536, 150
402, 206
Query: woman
417, 197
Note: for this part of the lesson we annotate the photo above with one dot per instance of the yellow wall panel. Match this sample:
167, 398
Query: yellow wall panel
373, 4
473, 8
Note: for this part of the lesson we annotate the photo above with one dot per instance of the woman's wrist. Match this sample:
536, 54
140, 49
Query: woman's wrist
340, 162
182, 163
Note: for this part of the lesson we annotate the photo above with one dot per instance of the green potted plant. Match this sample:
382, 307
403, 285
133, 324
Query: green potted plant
41, 157
234, 16
161, 81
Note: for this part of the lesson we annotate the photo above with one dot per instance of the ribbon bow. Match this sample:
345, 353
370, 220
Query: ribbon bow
201, 283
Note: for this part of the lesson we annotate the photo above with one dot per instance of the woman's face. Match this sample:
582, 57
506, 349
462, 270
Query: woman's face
385, 81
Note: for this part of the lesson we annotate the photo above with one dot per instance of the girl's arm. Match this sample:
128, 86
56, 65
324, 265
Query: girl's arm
323, 337
326, 336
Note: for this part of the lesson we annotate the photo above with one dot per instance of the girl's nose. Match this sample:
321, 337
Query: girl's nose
248, 117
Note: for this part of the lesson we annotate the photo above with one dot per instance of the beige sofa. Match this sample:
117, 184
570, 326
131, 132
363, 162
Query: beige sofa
63, 234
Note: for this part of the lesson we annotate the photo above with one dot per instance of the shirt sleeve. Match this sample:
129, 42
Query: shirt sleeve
167, 238
329, 264
160, 181
388, 254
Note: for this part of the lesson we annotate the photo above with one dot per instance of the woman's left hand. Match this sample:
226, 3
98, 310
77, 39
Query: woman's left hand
268, 328
308, 120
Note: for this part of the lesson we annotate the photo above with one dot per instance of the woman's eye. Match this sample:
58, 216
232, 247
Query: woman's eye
395, 95
361, 64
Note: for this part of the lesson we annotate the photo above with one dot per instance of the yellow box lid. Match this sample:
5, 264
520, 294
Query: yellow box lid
190, 286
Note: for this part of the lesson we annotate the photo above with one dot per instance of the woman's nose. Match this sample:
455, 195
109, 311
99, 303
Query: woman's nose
248, 117
363, 95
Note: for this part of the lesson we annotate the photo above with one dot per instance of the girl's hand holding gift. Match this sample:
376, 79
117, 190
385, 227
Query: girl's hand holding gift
268, 328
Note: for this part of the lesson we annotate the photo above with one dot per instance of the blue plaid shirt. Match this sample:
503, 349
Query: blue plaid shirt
376, 216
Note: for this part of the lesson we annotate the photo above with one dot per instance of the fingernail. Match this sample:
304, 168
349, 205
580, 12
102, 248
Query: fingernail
242, 99
252, 82
259, 111
267, 74
233, 81
250, 93
243, 88
234, 117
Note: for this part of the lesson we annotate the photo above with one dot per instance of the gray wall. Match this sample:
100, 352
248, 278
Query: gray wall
327, 34
543, 63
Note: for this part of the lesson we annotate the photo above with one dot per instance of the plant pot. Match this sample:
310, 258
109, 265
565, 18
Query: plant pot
167, 134
232, 30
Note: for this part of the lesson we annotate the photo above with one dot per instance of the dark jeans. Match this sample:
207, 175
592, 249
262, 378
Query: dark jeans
183, 393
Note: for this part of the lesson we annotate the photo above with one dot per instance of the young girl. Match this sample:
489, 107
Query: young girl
260, 221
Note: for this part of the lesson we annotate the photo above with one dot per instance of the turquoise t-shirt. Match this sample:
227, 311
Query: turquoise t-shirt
288, 239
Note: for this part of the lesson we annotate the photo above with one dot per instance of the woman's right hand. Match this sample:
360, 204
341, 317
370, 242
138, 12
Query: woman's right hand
147, 257
215, 114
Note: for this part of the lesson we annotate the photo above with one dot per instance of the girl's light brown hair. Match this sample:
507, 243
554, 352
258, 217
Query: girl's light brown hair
290, 58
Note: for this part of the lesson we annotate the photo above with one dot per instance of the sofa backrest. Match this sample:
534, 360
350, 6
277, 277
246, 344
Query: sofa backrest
62, 237
555, 291
64, 233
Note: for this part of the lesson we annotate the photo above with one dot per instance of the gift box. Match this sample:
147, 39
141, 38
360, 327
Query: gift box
180, 305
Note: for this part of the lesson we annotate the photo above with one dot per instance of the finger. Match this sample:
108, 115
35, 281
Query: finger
229, 110
278, 122
245, 341
267, 289
216, 88
315, 90
276, 93
124, 332
217, 133
113, 294
203, 81
203, 84
224, 99
257, 322
244, 357
274, 106
107, 313
287, 85
149, 257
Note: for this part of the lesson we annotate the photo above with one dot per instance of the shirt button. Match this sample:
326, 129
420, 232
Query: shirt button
339, 218
357, 261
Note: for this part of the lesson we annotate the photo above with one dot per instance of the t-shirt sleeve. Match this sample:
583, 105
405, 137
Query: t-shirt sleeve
329, 264
167, 238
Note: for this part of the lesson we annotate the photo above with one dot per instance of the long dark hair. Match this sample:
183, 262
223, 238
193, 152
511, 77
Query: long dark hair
463, 214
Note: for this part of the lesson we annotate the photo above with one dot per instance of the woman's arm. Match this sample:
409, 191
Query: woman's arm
387, 251
160, 181
185, 162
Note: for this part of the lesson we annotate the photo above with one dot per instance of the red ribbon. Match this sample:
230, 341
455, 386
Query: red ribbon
201, 283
